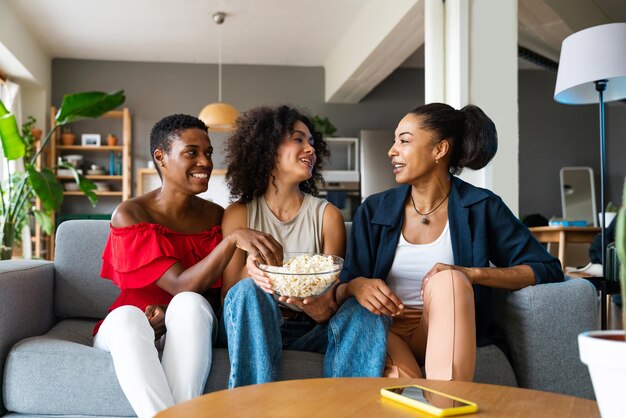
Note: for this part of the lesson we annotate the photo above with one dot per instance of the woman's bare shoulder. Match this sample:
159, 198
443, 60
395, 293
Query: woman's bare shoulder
236, 209
211, 211
132, 211
235, 216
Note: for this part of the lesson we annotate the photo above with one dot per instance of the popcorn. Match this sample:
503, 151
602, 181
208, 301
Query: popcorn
304, 275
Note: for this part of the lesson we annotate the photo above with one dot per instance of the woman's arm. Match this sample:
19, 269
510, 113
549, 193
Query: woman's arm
199, 277
333, 232
372, 293
510, 278
520, 260
235, 217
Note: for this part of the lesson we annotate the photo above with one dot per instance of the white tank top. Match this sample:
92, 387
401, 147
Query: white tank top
413, 261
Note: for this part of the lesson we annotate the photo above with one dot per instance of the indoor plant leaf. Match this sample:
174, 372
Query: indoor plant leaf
84, 184
46, 187
12, 143
87, 105
44, 220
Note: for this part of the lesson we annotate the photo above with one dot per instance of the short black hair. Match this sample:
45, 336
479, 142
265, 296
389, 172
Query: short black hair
168, 129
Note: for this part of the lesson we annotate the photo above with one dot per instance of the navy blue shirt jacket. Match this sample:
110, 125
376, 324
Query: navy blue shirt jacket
482, 229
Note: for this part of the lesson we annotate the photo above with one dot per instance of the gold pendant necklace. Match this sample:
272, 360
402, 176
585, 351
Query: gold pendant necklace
424, 216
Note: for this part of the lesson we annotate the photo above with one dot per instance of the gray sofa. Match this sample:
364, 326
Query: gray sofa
47, 311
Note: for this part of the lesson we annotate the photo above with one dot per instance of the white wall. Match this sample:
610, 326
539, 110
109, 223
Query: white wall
493, 87
26, 62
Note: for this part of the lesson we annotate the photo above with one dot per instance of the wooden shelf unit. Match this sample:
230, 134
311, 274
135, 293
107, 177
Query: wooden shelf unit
44, 245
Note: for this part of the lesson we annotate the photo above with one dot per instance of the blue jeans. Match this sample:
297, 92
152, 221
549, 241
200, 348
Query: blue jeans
355, 340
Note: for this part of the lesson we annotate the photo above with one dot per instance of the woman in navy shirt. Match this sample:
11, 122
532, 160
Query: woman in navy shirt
430, 252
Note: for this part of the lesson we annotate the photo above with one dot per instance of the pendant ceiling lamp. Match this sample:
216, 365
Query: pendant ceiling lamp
220, 116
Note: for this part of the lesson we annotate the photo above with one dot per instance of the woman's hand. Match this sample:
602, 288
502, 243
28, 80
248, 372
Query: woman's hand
259, 276
438, 268
375, 296
156, 316
262, 245
319, 308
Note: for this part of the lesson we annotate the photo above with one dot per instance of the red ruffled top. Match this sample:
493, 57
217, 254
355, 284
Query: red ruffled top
135, 257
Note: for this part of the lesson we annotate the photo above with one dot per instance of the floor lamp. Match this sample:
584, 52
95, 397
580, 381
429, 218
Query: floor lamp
592, 69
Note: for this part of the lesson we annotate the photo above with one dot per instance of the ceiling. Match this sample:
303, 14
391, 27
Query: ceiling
265, 32
279, 32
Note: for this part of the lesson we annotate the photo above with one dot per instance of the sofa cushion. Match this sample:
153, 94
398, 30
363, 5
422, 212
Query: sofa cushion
79, 291
60, 373
542, 324
493, 367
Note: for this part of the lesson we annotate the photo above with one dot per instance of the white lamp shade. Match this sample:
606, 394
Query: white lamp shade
597, 53
219, 117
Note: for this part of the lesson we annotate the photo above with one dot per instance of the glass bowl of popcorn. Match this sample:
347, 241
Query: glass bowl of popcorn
303, 274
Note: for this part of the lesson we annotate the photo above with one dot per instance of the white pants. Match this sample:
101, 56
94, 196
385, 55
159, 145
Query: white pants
150, 385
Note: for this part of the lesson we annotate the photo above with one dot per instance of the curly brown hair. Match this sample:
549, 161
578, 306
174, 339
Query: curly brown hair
251, 150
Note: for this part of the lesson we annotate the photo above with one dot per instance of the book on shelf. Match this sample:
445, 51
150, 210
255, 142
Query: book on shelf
567, 222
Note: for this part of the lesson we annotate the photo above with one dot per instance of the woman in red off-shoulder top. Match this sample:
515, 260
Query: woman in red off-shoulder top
165, 249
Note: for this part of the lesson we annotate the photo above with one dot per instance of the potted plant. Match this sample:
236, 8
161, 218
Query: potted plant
111, 140
20, 188
323, 125
604, 352
67, 137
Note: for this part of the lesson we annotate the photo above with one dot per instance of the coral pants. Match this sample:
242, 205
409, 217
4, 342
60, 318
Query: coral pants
442, 336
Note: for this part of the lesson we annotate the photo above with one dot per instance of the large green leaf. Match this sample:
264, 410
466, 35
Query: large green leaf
84, 184
87, 105
46, 187
12, 143
44, 220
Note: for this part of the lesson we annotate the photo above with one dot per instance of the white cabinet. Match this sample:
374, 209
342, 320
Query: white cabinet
343, 164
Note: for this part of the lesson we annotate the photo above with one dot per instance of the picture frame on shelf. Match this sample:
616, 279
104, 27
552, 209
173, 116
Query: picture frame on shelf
90, 140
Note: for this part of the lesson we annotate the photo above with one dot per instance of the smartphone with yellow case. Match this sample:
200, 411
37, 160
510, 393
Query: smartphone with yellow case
428, 400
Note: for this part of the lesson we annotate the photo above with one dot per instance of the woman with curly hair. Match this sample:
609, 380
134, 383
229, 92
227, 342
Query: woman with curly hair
274, 160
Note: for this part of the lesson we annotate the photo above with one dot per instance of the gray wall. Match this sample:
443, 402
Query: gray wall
554, 135
154, 90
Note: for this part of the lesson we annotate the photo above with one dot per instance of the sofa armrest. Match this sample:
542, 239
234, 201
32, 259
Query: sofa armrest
26, 294
542, 324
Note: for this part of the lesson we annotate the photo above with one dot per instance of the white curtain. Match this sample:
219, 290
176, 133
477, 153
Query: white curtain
11, 97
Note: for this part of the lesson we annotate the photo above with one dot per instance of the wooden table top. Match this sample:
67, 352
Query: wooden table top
347, 397
593, 229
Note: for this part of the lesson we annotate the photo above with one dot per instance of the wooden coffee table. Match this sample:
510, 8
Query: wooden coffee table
360, 397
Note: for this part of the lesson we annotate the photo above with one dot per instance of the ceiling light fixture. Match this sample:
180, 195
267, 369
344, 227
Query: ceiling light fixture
220, 116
